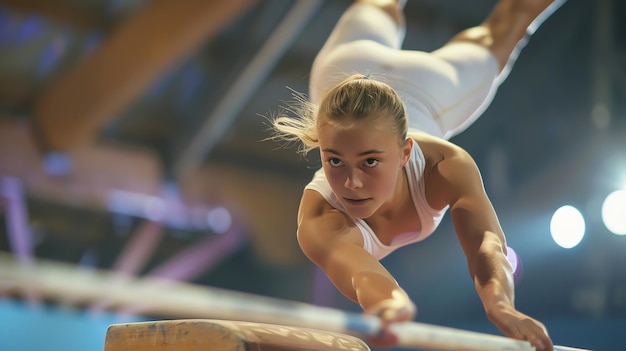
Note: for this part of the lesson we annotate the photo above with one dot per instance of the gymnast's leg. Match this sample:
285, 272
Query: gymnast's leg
444, 91
504, 33
392, 7
507, 28
373, 24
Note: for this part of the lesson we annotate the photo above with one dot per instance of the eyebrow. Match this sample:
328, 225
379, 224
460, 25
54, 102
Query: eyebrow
364, 153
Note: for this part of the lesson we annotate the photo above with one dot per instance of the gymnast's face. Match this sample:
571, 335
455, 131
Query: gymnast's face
363, 163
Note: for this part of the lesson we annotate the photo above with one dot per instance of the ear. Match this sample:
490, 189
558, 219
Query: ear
406, 151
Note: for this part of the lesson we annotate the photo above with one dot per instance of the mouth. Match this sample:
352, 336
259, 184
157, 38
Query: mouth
355, 201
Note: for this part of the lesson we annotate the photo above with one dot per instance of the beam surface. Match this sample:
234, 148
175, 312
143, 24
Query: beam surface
207, 334
196, 302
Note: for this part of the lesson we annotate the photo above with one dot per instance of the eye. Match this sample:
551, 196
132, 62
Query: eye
334, 162
371, 162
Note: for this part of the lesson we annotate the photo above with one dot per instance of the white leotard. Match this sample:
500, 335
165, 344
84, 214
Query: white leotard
429, 217
444, 91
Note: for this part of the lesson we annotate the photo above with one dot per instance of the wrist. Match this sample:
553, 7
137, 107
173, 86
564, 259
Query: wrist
495, 296
397, 308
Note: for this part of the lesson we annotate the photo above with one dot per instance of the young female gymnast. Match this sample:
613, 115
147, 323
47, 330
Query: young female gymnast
381, 117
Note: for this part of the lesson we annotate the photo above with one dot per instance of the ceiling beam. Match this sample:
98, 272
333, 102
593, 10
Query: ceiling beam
219, 122
88, 176
71, 111
101, 176
604, 55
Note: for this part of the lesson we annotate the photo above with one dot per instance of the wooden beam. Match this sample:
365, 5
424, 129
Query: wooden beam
94, 170
99, 170
243, 88
72, 110
210, 334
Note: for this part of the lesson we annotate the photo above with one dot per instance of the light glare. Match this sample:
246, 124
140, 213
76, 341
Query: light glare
567, 227
219, 219
614, 212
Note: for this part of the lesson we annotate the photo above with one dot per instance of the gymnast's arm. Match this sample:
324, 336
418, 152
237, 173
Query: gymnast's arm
334, 243
483, 242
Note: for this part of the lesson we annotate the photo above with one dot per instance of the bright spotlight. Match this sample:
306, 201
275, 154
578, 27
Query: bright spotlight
614, 212
219, 219
567, 227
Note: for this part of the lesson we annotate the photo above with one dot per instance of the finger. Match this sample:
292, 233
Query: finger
384, 339
542, 341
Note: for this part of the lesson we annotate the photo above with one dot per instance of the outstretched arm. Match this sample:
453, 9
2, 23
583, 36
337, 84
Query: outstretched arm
484, 244
335, 244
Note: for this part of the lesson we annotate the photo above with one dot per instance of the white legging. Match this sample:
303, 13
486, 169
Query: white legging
444, 91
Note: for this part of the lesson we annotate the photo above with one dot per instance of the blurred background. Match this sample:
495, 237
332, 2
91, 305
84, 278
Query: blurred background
132, 141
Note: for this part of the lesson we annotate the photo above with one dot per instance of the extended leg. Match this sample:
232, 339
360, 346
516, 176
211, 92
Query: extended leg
392, 7
507, 28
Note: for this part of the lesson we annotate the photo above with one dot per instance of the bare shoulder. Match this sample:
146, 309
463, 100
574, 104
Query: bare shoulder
437, 150
322, 227
449, 169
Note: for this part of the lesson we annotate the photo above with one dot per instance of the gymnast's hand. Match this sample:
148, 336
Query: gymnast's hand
517, 325
394, 310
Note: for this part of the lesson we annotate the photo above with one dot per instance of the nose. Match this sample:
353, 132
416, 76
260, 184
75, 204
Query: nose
353, 180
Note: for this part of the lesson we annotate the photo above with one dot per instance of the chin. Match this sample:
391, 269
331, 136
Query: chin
359, 213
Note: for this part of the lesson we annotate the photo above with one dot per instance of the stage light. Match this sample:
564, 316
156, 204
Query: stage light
567, 227
219, 220
57, 164
614, 212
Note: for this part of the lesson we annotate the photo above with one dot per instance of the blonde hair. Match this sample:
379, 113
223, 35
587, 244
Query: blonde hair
350, 101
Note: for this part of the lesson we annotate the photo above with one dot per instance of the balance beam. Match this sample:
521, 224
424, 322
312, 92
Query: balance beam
157, 297
214, 335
